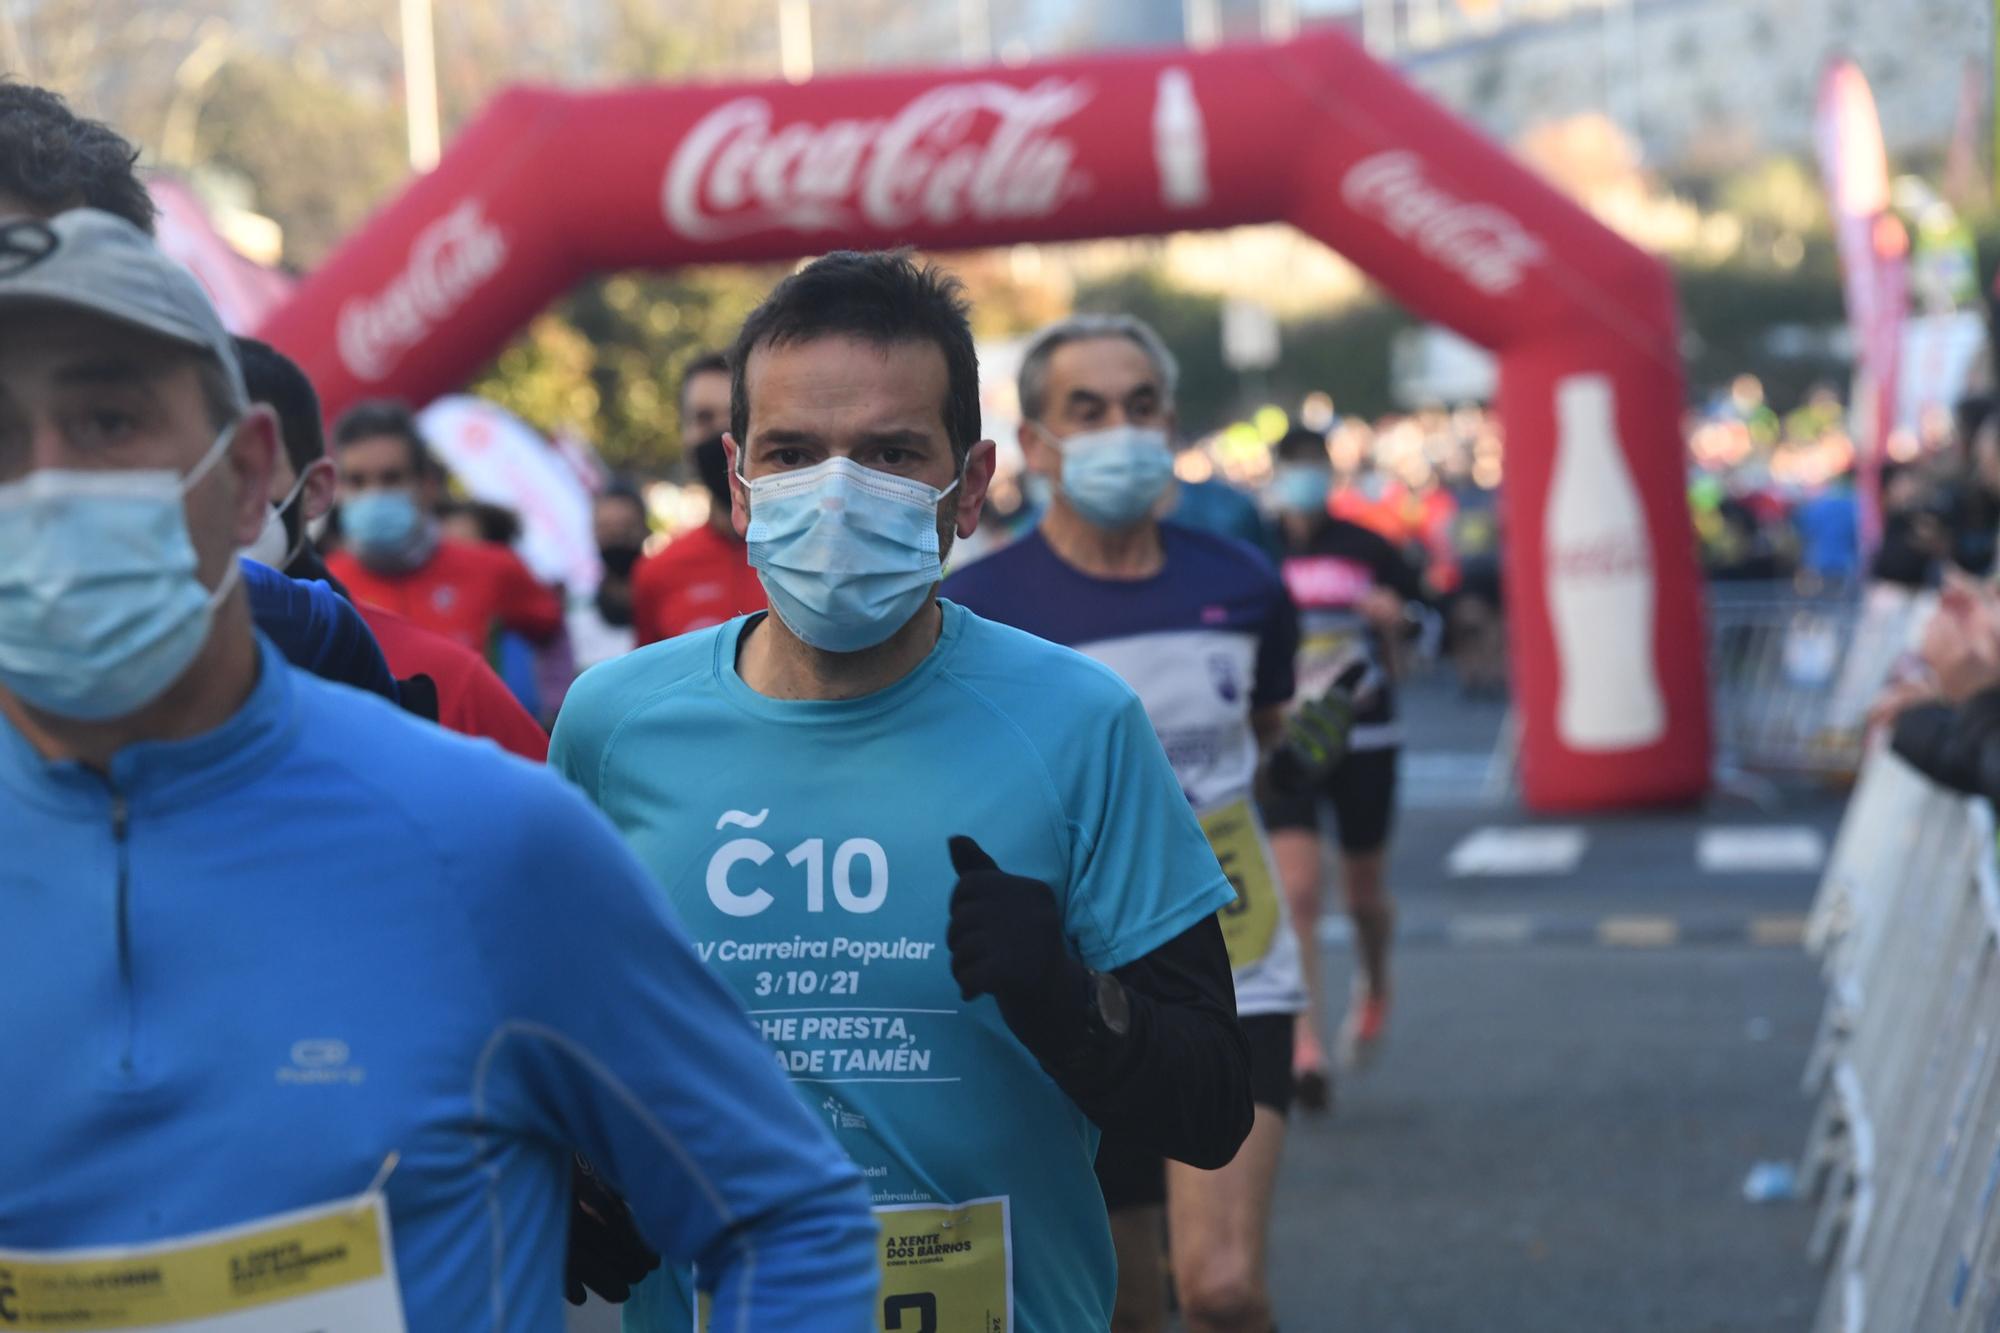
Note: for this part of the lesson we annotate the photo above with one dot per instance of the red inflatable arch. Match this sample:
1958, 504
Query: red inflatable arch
1603, 596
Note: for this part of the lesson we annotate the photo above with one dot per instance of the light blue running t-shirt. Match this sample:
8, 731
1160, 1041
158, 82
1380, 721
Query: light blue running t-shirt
804, 845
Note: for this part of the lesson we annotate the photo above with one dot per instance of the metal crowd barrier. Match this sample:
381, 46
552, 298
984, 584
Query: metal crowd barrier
1904, 1150
1794, 673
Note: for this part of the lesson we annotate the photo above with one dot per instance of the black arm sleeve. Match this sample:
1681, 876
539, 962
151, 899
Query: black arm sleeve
1957, 748
1178, 1081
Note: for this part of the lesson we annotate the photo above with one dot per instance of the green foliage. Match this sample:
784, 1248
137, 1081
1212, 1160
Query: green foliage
321, 157
606, 363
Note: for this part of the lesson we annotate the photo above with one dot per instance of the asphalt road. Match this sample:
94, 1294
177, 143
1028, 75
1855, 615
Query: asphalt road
1584, 1062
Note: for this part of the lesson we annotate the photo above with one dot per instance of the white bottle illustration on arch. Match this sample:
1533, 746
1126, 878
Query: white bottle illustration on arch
1600, 580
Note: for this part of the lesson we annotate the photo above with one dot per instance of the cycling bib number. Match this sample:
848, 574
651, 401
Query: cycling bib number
330, 1267
1249, 924
945, 1269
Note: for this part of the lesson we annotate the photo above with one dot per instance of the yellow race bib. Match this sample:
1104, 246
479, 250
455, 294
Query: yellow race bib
320, 1268
945, 1268
1249, 924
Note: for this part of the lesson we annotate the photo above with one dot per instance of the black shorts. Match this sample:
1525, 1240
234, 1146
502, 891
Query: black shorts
1362, 792
1134, 1177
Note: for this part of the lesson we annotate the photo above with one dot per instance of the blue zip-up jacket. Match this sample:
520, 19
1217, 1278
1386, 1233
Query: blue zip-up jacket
315, 628
242, 969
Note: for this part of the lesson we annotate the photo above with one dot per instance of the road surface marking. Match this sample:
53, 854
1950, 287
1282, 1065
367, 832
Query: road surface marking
1776, 848
1536, 850
1638, 932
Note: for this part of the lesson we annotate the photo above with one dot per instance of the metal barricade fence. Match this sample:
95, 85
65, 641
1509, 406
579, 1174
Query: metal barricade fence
1794, 673
1904, 1149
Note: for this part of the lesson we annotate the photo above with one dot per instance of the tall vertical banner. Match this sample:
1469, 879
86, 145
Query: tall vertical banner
1874, 254
546, 187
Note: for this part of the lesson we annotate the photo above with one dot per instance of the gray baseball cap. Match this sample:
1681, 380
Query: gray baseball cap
92, 261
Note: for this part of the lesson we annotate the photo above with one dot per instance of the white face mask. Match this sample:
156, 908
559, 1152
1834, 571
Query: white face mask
274, 547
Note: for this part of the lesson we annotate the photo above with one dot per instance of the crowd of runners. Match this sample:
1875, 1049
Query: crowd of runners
873, 943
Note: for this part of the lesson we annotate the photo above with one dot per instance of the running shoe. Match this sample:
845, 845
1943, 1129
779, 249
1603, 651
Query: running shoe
1361, 1033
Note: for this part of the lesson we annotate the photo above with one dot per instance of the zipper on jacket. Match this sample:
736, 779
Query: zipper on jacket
120, 824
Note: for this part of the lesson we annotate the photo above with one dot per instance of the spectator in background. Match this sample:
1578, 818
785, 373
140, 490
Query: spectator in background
395, 556
703, 577
1829, 532
1947, 723
1915, 538
601, 627
478, 523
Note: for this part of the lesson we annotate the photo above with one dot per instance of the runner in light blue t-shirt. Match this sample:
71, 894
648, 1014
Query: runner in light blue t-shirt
945, 864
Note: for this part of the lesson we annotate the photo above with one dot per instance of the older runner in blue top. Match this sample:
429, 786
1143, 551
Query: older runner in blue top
308, 1003
945, 864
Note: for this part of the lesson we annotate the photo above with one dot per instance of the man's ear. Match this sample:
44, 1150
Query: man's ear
739, 490
317, 495
253, 459
971, 494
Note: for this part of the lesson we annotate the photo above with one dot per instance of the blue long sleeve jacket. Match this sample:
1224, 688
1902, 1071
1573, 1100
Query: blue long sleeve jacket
243, 969
315, 628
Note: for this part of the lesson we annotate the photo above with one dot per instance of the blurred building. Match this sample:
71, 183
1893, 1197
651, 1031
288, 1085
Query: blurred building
1701, 85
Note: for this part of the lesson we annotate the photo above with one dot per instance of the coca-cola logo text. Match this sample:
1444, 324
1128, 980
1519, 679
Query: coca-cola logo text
932, 162
1613, 555
450, 260
1485, 245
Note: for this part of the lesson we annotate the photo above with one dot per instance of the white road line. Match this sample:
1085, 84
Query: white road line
1775, 848
1535, 850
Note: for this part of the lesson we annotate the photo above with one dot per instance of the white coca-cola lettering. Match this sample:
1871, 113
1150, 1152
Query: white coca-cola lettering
931, 162
450, 260
1485, 245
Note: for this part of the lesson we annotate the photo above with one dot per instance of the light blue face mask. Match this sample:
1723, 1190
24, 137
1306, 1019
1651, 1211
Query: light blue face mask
102, 606
381, 523
1301, 488
1114, 477
846, 554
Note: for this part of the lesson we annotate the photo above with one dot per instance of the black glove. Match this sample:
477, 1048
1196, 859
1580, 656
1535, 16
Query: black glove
1317, 735
1006, 940
606, 1252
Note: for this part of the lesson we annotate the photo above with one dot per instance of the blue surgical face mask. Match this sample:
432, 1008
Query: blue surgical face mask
381, 523
1114, 477
1301, 488
102, 607
847, 554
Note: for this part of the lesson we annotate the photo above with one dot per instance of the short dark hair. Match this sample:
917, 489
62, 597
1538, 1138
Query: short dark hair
274, 378
624, 491
385, 416
55, 160
708, 363
498, 525
1301, 445
883, 297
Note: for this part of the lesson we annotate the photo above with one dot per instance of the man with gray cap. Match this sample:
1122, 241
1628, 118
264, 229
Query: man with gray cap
325, 1067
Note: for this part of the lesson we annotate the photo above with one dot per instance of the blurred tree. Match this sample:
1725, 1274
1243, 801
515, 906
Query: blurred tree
320, 156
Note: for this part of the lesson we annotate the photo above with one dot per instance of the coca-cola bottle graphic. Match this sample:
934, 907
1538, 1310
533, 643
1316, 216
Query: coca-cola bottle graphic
1600, 581
1180, 144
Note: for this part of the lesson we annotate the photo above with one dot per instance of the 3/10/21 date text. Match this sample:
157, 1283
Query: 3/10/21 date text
807, 983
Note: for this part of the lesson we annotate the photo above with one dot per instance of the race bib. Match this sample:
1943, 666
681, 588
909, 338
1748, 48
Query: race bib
945, 1269
317, 1269
1249, 924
